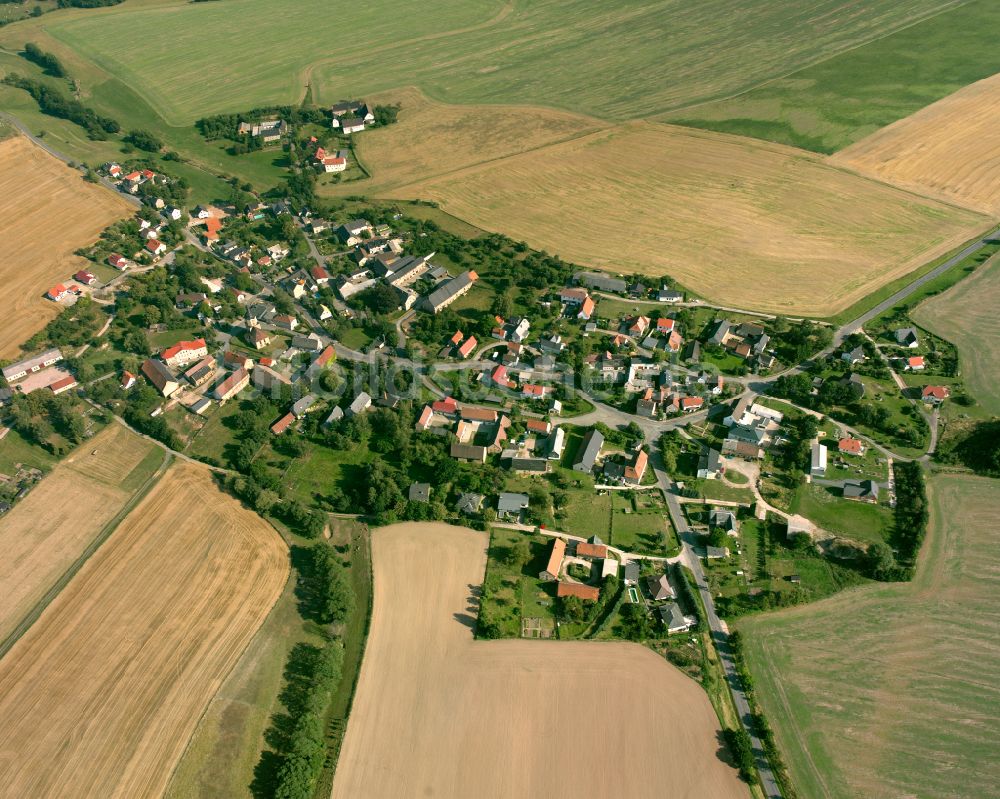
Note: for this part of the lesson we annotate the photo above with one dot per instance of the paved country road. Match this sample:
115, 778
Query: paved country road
855, 324
720, 635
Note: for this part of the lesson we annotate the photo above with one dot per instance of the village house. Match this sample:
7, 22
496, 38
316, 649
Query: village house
184, 352
935, 395
710, 464
201, 372
554, 564
907, 337
914, 364
635, 471
282, 424
817, 462
232, 385
268, 130
850, 446
470, 503
361, 403
589, 451
259, 338
127, 381
861, 490
659, 588
160, 376
468, 452
445, 294
588, 593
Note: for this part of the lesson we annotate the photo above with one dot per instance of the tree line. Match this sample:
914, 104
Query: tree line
55, 103
47, 61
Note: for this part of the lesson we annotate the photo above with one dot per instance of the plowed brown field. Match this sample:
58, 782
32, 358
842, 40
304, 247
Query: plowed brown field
100, 696
950, 149
439, 714
48, 530
47, 212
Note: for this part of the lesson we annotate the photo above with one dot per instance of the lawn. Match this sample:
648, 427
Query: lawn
641, 527
860, 521
842, 99
512, 591
874, 692
321, 468
14, 449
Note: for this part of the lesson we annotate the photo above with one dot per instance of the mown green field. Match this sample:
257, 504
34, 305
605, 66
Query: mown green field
843, 99
638, 57
887, 690
966, 316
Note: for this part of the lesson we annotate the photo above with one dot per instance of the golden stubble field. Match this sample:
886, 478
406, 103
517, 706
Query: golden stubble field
432, 138
888, 691
439, 714
100, 696
950, 149
47, 212
48, 530
742, 222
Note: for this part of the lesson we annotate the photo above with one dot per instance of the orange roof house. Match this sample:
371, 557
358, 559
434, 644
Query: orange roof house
551, 570
586, 592
585, 550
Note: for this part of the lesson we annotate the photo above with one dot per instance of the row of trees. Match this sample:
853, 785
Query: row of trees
47, 61
55, 103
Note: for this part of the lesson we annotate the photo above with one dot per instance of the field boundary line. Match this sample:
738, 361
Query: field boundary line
292, 578
40, 606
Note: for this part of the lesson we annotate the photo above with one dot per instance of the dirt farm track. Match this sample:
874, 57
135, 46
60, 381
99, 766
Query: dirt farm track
100, 696
47, 212
440, 715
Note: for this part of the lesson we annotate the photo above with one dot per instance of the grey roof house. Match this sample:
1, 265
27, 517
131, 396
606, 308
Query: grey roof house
510, 505
590, 448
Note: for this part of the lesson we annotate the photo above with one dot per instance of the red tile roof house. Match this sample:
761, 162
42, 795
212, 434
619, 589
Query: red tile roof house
457, 338
58, 293
534, 391
471, 414
128, 380
184, 353
691, 404
539, 426
664, 325
447, 406
63, 384
915, 364
156, 247
117, 261
850, 446
634, 473
639, 325
585, 550
426, 417
935, 394
586, 592
466, 349
586, 309
573, 296
282, 424
499, 377
85, 277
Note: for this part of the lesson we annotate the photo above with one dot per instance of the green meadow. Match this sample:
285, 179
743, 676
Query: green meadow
832, 104
887, 690
616, 60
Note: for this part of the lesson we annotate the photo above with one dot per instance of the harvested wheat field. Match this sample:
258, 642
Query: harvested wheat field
100, 696
950, 149
439, 714
966, 315
53, 526
888, 691
47, 212
742, 222
432, 138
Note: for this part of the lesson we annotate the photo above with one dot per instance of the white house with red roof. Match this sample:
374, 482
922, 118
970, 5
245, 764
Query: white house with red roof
118, 261
935, 395
85, 277
851, 446
915, 363
184, 352
58, 293
156, 247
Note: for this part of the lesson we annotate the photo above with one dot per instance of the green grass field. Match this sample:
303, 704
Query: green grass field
887, 690
857, 520
190, 59
829, 105
966, 316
